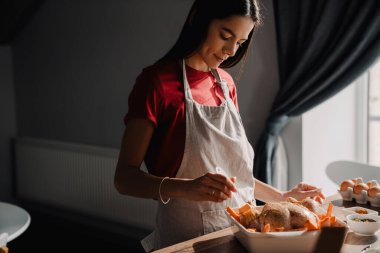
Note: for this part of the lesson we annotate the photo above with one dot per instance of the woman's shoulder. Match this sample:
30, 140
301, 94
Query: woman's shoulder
162, 70
157, 76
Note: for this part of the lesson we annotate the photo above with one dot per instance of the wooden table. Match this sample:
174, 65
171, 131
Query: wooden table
224, 241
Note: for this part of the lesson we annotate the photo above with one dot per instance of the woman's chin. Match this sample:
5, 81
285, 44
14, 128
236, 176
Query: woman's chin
214, 65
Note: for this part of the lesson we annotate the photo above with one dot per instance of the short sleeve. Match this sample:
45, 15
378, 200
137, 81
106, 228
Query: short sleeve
144, 100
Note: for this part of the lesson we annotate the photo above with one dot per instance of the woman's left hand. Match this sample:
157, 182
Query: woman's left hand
302, 191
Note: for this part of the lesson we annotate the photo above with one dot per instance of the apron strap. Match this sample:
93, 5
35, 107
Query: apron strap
222, 83
185, 82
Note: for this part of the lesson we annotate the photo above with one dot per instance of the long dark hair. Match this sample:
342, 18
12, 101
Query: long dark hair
195, 29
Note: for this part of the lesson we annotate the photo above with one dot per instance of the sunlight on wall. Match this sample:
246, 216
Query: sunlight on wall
328, 134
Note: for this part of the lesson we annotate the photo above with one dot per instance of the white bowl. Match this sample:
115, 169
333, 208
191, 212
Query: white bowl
363, 228
277, 242
355, 209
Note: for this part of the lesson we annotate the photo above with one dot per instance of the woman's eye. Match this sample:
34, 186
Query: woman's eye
223, 37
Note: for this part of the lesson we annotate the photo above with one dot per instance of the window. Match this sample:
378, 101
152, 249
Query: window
345, 127
374, 115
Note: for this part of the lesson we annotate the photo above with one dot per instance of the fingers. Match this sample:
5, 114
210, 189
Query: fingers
321, 195
223, 180
318, 199
219, 187
311, 193
221, 183
310, 189
306, 187
216, 195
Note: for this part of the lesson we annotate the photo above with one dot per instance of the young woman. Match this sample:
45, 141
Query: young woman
183, 121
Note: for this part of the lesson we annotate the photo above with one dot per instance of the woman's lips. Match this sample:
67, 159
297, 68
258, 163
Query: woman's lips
219, 59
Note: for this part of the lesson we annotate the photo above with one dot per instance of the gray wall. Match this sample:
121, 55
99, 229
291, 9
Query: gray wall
260, 80
8, 122
76, 62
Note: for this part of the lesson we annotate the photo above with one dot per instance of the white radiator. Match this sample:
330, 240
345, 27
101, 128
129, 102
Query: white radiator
79, 178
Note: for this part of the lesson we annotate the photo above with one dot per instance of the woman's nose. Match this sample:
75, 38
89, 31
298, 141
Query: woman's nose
230, 50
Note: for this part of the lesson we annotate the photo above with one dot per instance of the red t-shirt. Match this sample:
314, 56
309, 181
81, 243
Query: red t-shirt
158, 96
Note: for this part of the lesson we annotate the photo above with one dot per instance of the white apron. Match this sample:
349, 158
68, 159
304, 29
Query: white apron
215, 137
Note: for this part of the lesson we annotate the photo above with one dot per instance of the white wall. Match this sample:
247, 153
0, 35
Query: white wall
292, 138
329, 133
334, 130
8, 121
76, 62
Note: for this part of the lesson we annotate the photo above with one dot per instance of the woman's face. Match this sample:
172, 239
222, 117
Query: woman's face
224, 38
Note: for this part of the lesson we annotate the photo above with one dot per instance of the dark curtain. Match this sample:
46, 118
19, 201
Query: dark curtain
323, 46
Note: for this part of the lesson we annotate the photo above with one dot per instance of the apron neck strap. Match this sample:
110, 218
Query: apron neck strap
185, 82
222, 83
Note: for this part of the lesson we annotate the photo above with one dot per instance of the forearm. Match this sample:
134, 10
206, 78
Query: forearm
267, 193
134, 182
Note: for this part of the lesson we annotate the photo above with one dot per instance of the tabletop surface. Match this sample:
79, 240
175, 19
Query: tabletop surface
14, 220
224, 241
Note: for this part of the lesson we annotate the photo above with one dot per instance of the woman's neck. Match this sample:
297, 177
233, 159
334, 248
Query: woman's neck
197, 63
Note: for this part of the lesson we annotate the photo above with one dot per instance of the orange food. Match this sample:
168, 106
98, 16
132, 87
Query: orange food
280, 229
370, 184
361, 211
329, 210
372, 192
345, 184
332, 220
245, 208
266, 228
360, 187
234, 214
310, 226
325, 222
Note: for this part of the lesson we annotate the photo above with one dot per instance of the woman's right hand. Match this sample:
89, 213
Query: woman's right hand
209, 187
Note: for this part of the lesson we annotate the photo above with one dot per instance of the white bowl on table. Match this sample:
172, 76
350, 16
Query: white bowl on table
360, 227
277, 242
357, 209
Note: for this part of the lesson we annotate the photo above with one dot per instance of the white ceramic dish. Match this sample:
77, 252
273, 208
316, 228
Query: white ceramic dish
363, 228
354, 210
277, 242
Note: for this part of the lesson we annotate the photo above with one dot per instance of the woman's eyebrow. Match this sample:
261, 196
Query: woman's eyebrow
231, 32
